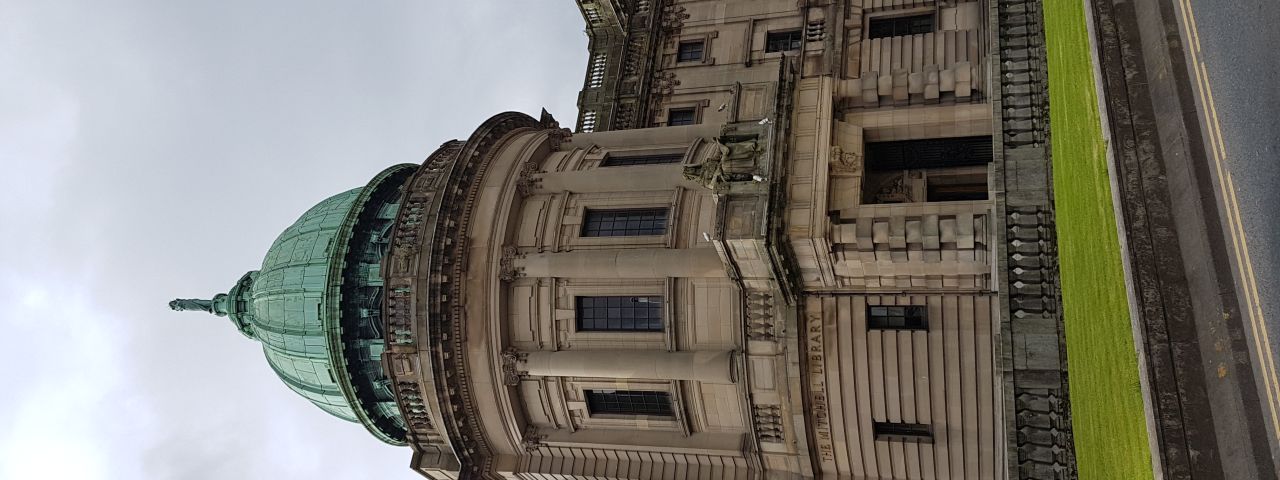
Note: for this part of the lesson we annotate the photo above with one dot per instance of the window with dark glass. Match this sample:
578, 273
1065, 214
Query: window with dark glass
630, 160
882, 27
884, 317
629, 402
902, 431
619, 313
682, 116
624, 223
900, 155
782, 41
956, 188
690, 51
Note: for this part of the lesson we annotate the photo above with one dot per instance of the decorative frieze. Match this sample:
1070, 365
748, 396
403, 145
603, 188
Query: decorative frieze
429, 250
845, 162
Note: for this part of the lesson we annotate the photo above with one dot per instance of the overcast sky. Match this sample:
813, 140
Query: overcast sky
154, 149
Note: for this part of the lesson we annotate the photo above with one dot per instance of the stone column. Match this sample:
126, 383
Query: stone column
711, 366
625, 263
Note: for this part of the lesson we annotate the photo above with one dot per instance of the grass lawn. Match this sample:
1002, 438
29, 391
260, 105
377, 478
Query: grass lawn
1106, 400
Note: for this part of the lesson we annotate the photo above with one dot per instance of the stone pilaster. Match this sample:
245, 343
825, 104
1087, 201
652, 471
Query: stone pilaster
624, 263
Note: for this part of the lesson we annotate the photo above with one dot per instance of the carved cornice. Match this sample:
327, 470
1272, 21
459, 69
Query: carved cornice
428, 256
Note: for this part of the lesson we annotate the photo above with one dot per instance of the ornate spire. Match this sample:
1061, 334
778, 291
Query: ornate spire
217, 306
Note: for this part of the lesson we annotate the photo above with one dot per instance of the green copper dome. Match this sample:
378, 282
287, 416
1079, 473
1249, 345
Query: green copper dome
314, 305
287, 304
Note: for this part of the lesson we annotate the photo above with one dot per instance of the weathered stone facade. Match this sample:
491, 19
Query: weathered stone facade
788, 240
814, 167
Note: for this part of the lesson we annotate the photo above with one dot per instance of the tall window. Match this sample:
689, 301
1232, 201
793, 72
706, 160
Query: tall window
630, 160
690, 51
682, 116
782, 41
897, 155
897, 317
629, 402
902, 431
624, 223
894, 26
619, 314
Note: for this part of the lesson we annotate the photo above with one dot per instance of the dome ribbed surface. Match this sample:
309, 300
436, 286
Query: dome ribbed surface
287, 304
315, 305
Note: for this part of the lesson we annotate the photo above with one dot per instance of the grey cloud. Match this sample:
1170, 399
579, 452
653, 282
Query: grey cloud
190, 134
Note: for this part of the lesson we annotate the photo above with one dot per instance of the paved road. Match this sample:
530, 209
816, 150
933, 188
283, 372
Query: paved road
1239, 46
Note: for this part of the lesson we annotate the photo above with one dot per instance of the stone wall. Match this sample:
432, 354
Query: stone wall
777, 242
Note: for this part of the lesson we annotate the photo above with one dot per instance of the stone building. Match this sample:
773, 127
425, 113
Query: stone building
789, 239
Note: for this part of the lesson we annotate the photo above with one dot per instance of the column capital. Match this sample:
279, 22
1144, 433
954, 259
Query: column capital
511, 372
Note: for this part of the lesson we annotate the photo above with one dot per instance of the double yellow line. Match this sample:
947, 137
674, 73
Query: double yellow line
1253, 307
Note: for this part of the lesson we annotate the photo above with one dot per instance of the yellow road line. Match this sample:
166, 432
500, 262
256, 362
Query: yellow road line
1262, 341
1253, 307
1244, 259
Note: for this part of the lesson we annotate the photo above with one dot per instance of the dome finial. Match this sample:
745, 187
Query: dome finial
195, 304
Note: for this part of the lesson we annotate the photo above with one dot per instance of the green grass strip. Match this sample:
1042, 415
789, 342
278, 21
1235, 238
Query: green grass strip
1106, 398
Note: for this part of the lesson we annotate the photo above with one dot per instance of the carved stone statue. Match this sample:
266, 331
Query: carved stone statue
217, 306
734, 162
739, 157
188, 304
706, 173
895, 190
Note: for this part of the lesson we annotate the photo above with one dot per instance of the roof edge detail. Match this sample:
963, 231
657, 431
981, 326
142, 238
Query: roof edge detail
333, 302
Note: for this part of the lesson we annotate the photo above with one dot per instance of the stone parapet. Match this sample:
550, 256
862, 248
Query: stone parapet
1033, 352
